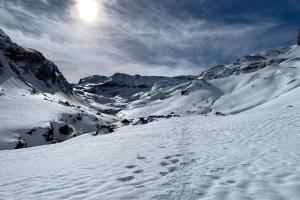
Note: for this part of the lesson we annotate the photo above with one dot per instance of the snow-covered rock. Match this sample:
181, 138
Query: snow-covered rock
228, 89
32, 67
96, 79
36, 101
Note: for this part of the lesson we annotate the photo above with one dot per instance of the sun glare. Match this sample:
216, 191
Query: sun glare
88, 10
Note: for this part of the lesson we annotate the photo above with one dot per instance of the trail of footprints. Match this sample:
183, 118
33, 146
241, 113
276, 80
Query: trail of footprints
170, 162
134, 170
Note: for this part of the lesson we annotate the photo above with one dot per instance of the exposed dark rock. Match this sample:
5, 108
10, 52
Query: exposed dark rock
141, 121
146, 120
126, 121
104, 129
277, 61
32, 61
49, 135
33, 91
254, 58
66, 103
21, 144
4, 37
66, 130
124, 85
79, 117
254, 67
31, 131
184, 93
111, 111
93, 79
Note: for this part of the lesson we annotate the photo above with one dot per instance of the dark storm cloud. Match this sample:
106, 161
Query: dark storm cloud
150, 37
200, 33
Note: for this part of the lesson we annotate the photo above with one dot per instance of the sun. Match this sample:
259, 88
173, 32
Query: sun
88, 10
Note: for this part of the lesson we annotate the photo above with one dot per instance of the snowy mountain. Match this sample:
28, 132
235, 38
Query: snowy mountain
42, 107
31, 67
120, 89
37, 104
224, 89
230, 133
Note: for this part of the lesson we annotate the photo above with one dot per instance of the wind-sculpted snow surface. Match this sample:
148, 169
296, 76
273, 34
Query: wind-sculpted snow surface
253, 155
231, 133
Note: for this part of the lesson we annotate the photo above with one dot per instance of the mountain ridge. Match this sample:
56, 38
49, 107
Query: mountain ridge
42, 107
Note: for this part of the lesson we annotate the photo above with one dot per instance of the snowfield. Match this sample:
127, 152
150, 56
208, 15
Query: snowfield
231, 133
254, 155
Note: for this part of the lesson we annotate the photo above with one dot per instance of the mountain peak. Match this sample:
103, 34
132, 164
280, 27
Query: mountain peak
25, 62
4, 37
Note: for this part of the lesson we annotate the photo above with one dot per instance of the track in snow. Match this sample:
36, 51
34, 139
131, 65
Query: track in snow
247, 156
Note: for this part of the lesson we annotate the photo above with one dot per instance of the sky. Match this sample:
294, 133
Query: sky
148, 37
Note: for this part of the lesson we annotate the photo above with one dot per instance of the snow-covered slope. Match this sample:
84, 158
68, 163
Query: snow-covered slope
37, 98
237, 136
252, 155
36, 102
121, 89
225, 89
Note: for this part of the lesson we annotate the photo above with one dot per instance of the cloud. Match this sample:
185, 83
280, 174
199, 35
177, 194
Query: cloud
139, 36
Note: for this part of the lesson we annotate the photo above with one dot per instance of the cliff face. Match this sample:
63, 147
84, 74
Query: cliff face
29, 64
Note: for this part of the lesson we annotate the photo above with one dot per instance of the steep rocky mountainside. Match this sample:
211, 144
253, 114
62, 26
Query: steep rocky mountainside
31, 66
37, 104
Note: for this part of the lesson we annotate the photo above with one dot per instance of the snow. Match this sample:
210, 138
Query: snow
228, 93
252, 155
235, 135
23, 110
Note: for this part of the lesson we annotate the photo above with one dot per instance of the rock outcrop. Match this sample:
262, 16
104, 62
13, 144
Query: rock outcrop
27, 63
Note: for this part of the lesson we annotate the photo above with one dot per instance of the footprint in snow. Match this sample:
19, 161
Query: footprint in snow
174, 161
127, 178
164, 163
179, 155
231, 181
130, 166
163, 173
138, 171
172, 169
141, 157
168, 157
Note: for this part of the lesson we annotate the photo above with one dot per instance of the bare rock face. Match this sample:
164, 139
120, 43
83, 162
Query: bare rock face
29, 61
298, 38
